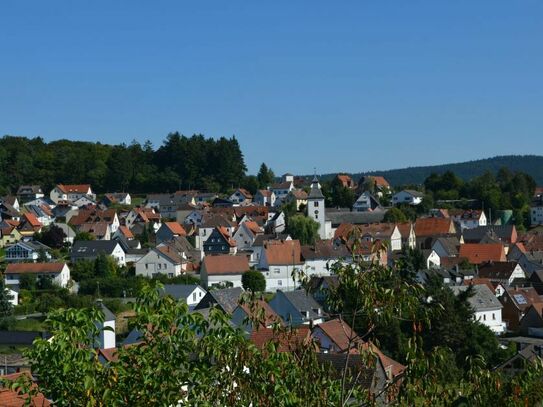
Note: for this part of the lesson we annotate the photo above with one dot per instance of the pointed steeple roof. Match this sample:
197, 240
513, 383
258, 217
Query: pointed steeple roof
315, 192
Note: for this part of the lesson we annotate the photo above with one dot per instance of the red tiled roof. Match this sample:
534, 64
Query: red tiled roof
478, 253
425, 227
126, 232
253, 227
287, 342
10, 398
480, 281
226, 264
170, 253
262, 310
405, 229
31, 218
176, 228
24, 268
283, 252
340, 333
379, 180
79, 189
528, 294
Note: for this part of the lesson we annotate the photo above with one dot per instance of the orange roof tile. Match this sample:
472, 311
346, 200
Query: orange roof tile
425, 227
226, 264
10, 398
287, 342
31, 218
283, 252
31, 268
477, 253
78, 189
340, 333
176, 228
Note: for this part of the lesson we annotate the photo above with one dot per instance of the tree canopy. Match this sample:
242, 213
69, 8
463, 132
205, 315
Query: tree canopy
193, 162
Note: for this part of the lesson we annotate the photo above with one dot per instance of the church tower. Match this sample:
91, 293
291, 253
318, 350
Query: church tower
315, 206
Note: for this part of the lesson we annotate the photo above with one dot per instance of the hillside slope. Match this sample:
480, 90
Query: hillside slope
530, 164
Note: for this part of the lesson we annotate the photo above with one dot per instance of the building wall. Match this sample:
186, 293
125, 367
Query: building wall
153, 263
492, 319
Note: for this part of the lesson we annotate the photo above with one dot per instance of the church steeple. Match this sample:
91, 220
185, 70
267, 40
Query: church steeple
315, 206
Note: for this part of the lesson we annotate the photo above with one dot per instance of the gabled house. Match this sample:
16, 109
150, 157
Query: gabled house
223, 270
29, 224
345, 181
366, 202
117, 198
531, 323
143, 217
100, 230
260, 310
226, 299
160, 260
27, 193
59, 273
246, 234
281, 190
209, 223
297, 308
91, 249
320, 287
375, 184
241, 197
446, 246
320, 257
27, 251
516, 302
279, 260
169, 230
264, 197
428, 228
385, 232
506, 234
407, 196
486, 308
336, 336
71, 193
42, 212
470, 219
503, 272
219, 242
191, 294
285, 341
8, 234
482, 253
409, 238
7, 211
298, 196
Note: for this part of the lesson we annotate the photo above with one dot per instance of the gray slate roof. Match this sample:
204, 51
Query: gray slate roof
303, 302
227, 299
482, 300
93, 247
356, 218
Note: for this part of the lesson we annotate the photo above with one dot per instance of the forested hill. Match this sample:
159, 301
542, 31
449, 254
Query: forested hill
179, 163
530, 164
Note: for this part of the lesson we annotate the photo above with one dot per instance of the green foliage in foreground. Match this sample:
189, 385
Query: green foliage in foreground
187, 360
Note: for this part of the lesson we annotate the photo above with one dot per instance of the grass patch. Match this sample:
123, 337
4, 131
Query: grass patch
29, 324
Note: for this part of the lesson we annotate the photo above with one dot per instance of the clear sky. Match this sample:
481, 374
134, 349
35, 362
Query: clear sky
337, 85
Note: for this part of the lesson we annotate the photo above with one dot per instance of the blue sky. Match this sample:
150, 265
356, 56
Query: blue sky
341, 86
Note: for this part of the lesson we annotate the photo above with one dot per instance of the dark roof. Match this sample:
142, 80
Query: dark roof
482, 300
325, 249
108, 315
303, 302
497, 269
227, 299
356, 218
86, 248
179, 291
357, 368
451, 244
477, 234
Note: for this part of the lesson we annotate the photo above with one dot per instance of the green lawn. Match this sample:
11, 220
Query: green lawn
29, 324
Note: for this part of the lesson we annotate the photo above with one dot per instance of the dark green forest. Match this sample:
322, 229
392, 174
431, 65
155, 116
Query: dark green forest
180, 162
529, 164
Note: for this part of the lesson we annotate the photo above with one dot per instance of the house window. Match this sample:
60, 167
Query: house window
193, 296
493, 316
279, 282
316, 204
146, 266
276, 270
484, 317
